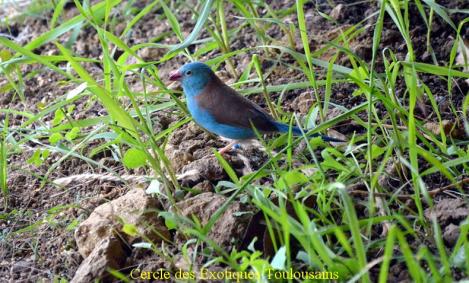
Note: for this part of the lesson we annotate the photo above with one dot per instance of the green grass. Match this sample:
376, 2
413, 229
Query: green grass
332, 235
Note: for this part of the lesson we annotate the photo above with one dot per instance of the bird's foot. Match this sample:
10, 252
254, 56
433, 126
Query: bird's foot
231, 145
227, 148
224, 150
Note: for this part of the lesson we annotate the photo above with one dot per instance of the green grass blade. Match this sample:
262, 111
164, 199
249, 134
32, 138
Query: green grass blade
197, 28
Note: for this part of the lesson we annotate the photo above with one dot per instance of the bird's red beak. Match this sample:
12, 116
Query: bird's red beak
175, 75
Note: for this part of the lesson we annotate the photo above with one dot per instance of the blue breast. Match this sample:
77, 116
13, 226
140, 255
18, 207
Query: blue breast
206, 120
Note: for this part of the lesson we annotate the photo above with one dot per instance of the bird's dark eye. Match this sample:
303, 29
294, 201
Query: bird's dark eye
189, 73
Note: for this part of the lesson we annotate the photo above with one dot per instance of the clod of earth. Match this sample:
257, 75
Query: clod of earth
451, 234
303, 102
228, 227
338, 12
450, 128
108, 253
448, 210
135, 208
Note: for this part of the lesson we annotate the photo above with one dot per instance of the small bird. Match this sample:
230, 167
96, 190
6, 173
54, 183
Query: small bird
221, 110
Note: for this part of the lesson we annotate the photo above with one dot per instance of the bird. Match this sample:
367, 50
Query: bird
221, 110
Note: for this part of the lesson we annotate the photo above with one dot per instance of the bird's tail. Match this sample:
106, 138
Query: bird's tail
284, 128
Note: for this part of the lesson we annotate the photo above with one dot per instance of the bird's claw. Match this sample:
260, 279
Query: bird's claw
231, 145
224, 150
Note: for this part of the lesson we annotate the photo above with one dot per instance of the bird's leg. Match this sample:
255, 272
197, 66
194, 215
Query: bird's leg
226, 148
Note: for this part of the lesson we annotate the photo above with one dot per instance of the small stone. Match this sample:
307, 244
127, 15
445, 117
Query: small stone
303, 102
336, 135
450, 128
119, 28
448, 210
179, 159
108, 253
207, 168
338, 12
332, 113
426, 56
451, 234
149, 53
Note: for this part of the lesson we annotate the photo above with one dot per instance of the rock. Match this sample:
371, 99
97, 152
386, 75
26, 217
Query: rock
392, 174
190, 151
204, 186
332, 113
187, 144
448, 210
338, 12
451, 234
426, 57
182, 262
106, 220
303, 102
108, 253
150, 53
337, 135
442, 102
119, 28
450, 128
207, 168
227, 228
188, 132
180, 158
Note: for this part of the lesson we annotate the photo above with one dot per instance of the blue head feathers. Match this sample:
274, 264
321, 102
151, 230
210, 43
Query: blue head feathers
194, 77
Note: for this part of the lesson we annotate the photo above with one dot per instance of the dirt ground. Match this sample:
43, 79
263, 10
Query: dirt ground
39, 243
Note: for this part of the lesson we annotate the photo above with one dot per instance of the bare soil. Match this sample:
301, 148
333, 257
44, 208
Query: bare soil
38, 243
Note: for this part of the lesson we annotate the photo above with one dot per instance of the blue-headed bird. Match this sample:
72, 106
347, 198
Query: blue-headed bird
221, 110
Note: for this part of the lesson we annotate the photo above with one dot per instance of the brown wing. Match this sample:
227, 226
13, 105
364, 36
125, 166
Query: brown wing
229, 107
